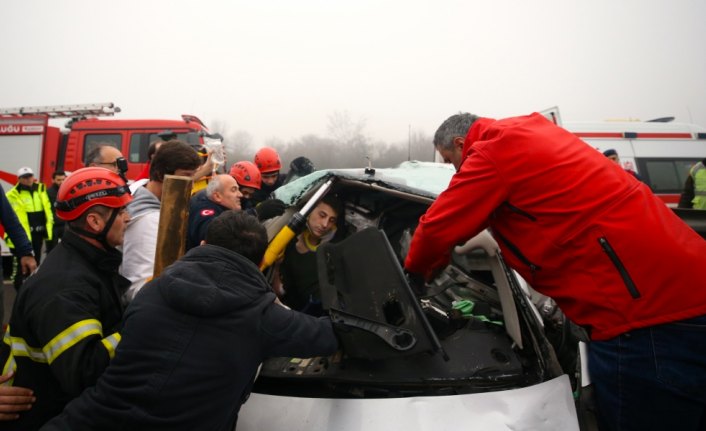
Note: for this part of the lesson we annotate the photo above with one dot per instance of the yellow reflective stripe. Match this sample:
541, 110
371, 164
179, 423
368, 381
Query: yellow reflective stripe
20, 348
10, 365
111, 343
70, 336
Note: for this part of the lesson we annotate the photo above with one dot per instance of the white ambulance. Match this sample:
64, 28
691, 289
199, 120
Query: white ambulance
661, 151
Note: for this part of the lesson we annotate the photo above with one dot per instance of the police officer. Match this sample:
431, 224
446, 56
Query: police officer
694, 194
30, 201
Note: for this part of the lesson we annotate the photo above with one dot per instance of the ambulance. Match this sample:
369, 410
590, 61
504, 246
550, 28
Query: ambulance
661, 151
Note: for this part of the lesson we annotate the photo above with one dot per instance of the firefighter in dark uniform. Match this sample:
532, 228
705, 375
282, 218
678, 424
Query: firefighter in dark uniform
63, 329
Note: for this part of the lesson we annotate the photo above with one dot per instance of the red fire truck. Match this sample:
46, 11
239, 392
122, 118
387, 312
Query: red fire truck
27, 138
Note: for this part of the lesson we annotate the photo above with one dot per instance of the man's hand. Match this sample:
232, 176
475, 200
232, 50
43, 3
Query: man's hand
269, 208
13, 399
28, 264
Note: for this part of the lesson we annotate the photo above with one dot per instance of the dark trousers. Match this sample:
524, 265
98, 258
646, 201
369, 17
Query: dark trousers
652, 378
37, 242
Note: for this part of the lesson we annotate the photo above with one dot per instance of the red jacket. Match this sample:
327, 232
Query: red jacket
574, 224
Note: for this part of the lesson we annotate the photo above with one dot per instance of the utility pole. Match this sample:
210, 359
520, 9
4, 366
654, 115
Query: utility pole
409, 142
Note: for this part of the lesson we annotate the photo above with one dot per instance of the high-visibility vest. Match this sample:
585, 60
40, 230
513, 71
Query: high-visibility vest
698, 173
24, 202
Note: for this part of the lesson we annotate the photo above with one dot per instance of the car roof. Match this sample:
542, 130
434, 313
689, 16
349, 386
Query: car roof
426, 179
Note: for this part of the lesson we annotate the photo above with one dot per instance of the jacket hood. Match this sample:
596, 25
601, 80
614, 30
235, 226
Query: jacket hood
211, 280
143, 201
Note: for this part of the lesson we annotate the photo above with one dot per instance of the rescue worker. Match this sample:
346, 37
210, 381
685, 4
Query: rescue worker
194, 338
57, 178
30, 201
298, 269
173, 158
268, 163
617, 260
249, 179
222, 194
63, 329
694, 194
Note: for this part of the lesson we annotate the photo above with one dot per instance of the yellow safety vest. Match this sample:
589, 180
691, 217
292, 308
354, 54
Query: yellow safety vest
698, 173
24, 202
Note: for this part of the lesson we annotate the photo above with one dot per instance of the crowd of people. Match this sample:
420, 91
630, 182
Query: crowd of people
101, 238
573, 238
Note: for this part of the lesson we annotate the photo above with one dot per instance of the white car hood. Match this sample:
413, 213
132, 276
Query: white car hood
545, 406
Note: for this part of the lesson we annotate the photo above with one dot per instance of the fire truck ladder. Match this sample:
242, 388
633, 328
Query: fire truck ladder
64, 111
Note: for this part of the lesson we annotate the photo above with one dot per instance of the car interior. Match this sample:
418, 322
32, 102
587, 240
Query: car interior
473, 330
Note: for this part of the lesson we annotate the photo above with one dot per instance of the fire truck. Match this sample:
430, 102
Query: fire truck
28, 139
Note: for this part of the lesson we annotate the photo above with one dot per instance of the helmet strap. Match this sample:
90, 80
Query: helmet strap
102, 235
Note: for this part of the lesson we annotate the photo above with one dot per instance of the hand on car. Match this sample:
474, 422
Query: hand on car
269, 208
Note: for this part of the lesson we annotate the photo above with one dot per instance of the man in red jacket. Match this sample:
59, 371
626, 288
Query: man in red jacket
580, 229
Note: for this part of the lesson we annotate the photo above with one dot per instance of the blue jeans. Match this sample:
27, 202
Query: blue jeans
652, 378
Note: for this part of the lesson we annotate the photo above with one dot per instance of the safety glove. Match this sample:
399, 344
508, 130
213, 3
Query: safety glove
269, 208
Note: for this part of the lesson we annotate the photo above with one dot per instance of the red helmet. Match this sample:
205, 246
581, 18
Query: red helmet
267, 160
88, 187
246, 174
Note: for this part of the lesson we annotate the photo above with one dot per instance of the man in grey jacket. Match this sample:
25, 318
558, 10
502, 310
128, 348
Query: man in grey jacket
194, 338
173, 158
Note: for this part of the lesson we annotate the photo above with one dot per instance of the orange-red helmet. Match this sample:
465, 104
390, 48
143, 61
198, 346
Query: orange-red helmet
88, 187
267, 160
246, 174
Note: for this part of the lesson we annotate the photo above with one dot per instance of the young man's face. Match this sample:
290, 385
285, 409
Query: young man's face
322, 220
58, 179
229, 195
247, 192
269, 178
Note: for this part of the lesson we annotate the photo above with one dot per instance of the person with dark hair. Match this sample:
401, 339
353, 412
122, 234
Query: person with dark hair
64, 325
613, 156
151, 150
194, 338
57, 178
173, 158
298, 269
299, 167
694, 193
615, 258
30, 202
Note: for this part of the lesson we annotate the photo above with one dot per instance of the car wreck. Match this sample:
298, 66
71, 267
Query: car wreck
471, 351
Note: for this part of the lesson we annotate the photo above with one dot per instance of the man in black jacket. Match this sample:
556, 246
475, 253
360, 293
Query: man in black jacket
64, 325
194, 338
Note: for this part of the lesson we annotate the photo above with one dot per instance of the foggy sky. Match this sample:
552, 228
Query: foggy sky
281, 68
